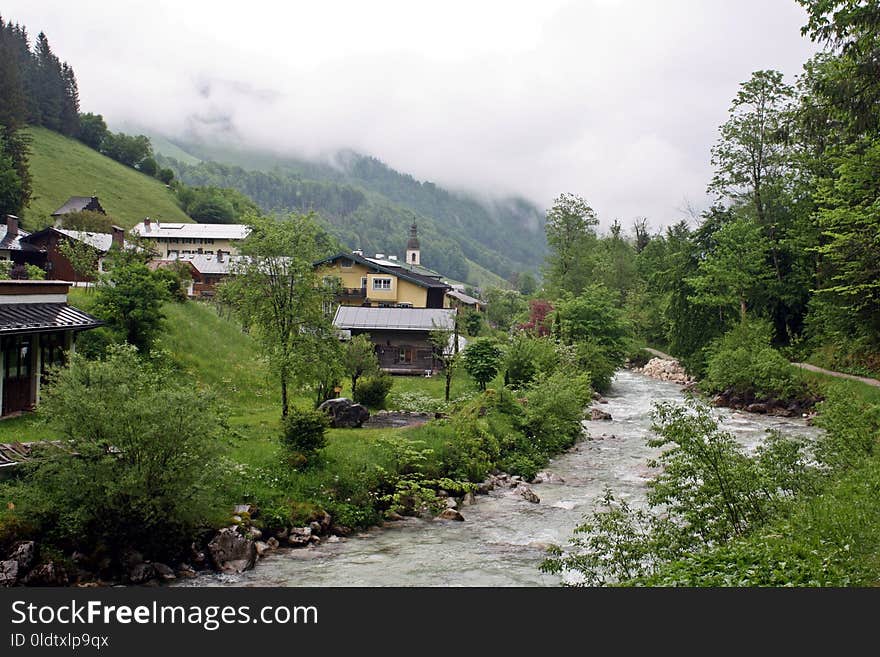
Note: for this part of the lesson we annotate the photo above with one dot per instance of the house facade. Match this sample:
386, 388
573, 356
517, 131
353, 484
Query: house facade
401, 336
206, 271
56, 263
37, 332
382, 283
169, 240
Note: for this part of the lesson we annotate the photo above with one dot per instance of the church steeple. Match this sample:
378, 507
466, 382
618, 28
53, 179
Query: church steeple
413, 253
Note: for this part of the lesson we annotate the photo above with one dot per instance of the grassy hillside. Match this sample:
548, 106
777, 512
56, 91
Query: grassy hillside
62, 167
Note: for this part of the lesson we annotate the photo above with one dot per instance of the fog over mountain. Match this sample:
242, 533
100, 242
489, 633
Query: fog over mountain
616, 101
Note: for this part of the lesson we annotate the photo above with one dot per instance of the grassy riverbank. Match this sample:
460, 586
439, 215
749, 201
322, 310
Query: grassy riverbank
361, 475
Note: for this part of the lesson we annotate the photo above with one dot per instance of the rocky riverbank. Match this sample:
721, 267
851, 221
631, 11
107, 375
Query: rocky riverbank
233, 549
664, 369
767, 405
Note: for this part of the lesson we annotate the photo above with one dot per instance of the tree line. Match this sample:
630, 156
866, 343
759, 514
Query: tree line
792, 238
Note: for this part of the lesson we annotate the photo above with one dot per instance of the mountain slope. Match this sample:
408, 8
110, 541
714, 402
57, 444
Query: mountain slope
503, 236
62, 167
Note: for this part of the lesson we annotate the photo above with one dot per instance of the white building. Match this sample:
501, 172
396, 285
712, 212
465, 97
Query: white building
170, 240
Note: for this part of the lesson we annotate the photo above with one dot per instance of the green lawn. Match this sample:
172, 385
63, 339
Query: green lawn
62, 167
213, 351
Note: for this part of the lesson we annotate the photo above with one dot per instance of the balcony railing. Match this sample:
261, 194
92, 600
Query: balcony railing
353, 292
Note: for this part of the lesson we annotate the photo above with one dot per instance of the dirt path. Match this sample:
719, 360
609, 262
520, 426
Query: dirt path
804, 366
659, 354
839, 375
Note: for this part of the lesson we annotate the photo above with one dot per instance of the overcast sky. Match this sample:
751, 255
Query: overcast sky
615, 100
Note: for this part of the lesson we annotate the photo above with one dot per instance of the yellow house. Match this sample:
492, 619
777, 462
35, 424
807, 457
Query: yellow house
381, 283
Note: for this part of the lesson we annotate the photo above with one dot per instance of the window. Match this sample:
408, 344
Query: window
363, 282
52, 351
405, 355
345, 263
381, 283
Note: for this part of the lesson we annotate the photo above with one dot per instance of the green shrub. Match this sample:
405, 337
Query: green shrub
742, 360
141, 471
373, 390
638, 357
554, 410
594, 360
304, 432
522, 464
528, 357
852, 428
482, 359
35, 273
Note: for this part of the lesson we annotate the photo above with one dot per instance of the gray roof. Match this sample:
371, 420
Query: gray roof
394, 319
464, 298
180, 230
74, 204
13, 242
100, 241
39, 317
207, 263
390, 267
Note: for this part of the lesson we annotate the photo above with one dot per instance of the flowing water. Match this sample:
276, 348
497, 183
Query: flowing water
503, 539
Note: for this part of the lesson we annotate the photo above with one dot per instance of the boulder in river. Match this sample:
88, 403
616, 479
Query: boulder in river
8, 572
300, 536
47, 574
344, 413
23, 552
528, 494
164, 572
596, 414
451, 514
231, 552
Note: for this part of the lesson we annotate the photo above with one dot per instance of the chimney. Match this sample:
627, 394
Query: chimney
147, 224
380, 256
394, 258
358, 252
11, 225
118, 235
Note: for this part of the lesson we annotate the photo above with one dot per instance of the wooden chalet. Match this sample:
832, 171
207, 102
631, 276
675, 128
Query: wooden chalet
400, 335
37, 330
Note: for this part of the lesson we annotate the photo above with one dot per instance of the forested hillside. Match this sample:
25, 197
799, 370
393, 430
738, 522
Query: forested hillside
369, 205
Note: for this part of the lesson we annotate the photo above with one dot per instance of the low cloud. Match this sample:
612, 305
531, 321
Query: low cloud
616, 101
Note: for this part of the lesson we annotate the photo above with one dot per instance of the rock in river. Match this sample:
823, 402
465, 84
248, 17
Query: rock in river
528, 494
231, 552
596, 414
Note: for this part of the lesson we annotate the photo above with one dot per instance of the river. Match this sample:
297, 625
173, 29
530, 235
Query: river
502, 541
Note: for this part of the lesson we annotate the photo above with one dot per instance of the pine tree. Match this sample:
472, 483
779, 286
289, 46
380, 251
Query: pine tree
50, 88
13, 109
70, 106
